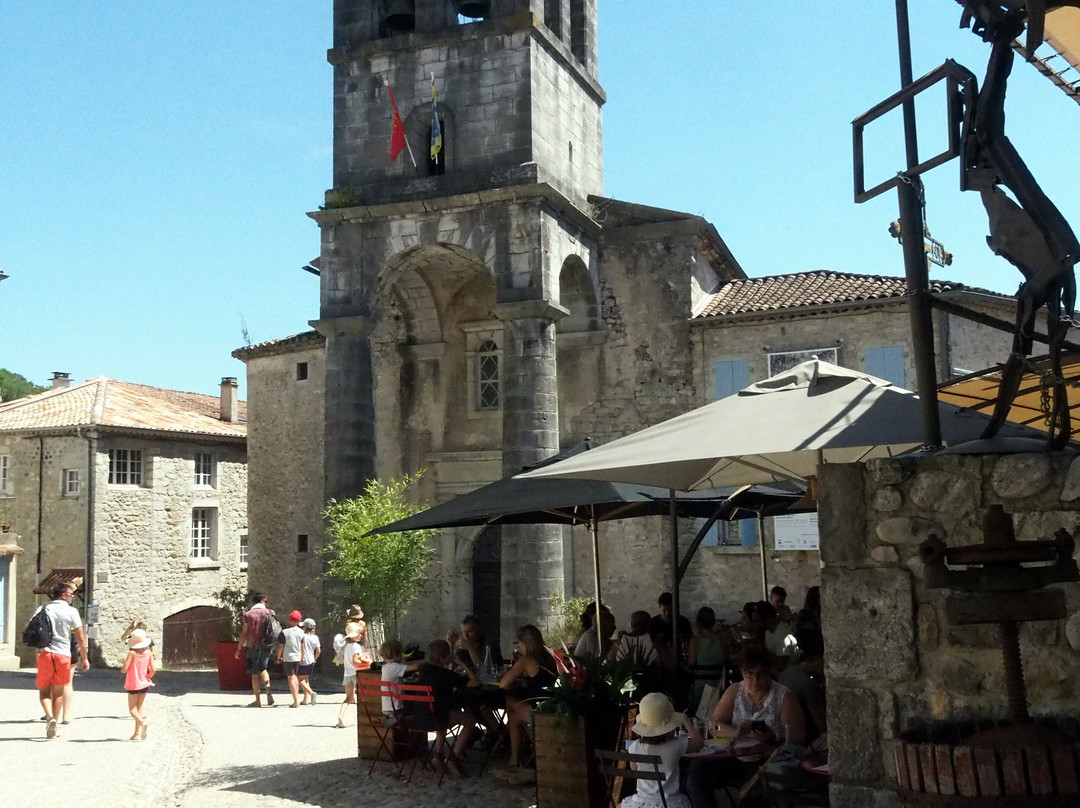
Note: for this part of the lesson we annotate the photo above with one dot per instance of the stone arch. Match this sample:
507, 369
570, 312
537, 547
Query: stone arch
577, 294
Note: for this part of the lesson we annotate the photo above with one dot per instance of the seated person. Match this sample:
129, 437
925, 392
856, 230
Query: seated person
657, 727
472, 645
777, 599
810, 614
756, 708
806, 679
661, 628
586, 646
393, 668
779, 641
637, 644
435, 671
525, 683
707, 654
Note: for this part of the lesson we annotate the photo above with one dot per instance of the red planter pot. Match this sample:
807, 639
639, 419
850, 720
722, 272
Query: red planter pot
232, 672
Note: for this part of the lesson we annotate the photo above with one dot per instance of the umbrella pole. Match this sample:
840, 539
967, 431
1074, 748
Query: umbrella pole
674, 579
594, 530
761, 547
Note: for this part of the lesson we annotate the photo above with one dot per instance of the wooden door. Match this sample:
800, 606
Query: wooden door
188, 637
487, 579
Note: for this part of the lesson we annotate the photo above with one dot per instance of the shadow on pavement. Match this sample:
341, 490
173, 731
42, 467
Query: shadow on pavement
102, 680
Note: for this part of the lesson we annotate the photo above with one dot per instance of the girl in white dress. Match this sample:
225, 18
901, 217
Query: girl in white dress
657, 728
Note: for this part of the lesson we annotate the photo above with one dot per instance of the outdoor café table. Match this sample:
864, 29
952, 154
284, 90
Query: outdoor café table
728, 759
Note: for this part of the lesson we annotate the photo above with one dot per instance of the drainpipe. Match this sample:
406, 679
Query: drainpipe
91, 489
40, 498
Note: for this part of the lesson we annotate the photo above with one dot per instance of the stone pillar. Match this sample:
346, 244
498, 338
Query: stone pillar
532, 561
350, 405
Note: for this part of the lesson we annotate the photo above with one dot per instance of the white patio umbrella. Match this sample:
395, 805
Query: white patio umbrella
781, 428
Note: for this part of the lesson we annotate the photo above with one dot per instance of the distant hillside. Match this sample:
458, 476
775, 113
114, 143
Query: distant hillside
13, 386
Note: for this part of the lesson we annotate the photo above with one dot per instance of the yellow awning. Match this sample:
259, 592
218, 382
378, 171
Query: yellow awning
978, 391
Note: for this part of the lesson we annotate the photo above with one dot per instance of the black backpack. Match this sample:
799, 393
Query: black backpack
39, 631
271, 630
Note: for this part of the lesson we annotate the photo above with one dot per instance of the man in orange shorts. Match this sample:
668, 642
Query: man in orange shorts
54, 662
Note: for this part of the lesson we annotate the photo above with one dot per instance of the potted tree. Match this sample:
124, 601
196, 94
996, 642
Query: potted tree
586, 711
232, 672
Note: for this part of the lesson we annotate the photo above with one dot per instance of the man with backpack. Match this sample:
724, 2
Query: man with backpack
257, 639
54, 657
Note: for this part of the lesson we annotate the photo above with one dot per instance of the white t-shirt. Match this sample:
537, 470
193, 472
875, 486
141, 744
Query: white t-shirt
64, 618
311, 644
391, 672
640, 649
293, 637
351, 648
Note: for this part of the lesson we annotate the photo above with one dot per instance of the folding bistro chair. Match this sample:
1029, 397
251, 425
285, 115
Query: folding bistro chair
370, 693
419, 722
617, 764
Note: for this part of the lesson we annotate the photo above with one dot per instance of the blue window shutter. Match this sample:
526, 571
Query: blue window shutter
748, 532
886, 363
731, 376
712, 538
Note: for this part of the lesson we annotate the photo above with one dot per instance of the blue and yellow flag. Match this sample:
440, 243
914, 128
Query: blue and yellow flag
436, 129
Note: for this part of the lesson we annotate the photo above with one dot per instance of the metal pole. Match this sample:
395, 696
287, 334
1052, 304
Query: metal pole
674, 579
595, 530
761, 547
911, 234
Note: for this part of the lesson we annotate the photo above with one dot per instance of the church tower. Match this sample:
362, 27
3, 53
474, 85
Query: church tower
444, 283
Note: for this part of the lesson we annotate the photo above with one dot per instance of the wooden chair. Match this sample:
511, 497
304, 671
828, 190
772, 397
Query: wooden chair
369, 693
418, 722
617, 764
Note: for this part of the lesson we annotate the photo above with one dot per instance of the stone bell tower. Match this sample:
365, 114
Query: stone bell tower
493, 225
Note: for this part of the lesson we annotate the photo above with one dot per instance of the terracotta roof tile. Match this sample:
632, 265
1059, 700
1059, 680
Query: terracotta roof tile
278, 346
107, 403
817, 288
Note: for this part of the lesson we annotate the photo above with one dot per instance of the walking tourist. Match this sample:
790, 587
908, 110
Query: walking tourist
139, 669
310, 651
352, 657
54, 661
256, 653
657, 728
289, 653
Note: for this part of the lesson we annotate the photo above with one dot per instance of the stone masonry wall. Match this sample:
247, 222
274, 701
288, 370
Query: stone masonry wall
285, 488
142, 537
59, 536
891, 658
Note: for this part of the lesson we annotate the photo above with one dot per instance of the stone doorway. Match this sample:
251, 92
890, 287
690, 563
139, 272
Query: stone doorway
487, 578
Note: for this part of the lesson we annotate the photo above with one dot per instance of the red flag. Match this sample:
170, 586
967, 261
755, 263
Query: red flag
397, 136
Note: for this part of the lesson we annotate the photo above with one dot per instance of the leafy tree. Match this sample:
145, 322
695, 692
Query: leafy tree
383, 573
13, 386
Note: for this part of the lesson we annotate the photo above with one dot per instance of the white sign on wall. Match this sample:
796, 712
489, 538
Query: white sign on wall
797, 531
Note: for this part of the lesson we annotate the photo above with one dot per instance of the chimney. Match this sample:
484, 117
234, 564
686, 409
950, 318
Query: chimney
230, 407
60, 379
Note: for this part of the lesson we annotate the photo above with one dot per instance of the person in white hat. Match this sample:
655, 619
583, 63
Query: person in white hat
657, 728
139, 668
352, 657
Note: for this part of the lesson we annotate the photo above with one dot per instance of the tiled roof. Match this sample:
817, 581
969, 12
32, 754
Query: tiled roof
278, 346
818, 288
106, 403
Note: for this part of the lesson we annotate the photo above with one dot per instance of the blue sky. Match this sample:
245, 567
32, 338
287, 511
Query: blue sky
159, 159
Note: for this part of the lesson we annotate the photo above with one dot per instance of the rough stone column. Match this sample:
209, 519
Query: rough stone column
350, 405
532, 560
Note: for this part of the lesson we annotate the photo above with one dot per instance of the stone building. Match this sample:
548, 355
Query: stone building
483, 309
139, 492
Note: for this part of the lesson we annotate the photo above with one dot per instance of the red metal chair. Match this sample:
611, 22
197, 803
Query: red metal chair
367, 693
419, 721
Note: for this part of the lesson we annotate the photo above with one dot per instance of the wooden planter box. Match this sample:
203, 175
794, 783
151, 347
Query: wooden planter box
566, 772
367, 742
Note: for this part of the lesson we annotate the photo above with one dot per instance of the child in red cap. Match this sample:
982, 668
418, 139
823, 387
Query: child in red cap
289, 652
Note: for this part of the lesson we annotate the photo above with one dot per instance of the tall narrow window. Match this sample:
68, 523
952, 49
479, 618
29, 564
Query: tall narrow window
243, 551
4, 473
487, 373
301, 371
204, 469
202, 532
301, 542
125, 467
70, 483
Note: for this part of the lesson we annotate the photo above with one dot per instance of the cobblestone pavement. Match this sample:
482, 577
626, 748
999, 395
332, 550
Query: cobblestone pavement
206, 750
